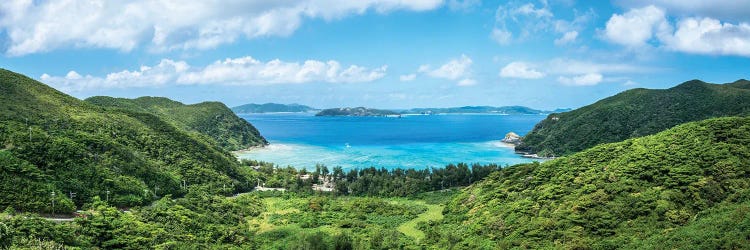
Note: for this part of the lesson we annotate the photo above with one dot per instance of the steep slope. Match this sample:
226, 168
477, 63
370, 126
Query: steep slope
213, 119
629, 193
52, 142
271, 108
634, 113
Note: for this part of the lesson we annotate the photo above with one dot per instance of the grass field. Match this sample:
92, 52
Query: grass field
433, 213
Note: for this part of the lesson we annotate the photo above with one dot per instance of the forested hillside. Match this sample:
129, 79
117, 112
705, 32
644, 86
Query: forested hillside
52, 142
213, 119
635, 113
687, 187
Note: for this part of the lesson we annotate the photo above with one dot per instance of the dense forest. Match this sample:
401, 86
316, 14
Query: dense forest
371, 181
675, 189
56, 147
635, 113
213, 119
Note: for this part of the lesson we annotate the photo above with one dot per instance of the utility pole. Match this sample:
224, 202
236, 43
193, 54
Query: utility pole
72, 195
107, 195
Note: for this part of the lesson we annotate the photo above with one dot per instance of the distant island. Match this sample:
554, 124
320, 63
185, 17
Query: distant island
253, 108
505, 110
358, 111
509, 110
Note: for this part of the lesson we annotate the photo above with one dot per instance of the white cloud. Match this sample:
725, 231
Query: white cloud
531, 10
516, 21
452, 70
735, 10
457, 69
697, 35
520, 70
581, 80
467, 82
637, 26
567, 38
163, 73
500, 36
231, 71
463, 4
710, 36
39, 26
565, 66
407, 78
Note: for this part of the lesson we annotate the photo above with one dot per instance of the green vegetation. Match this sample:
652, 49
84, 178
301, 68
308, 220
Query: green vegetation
211, 119
53, 143
358, 111
145, 179
635, 113
271, 108
372, 181
409, 228
650, 192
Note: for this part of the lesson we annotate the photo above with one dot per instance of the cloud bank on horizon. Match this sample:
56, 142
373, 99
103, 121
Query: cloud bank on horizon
407, 52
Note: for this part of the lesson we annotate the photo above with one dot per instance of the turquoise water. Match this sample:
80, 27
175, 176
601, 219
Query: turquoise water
304, 140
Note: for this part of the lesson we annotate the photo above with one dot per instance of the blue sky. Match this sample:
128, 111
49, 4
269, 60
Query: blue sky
375, 53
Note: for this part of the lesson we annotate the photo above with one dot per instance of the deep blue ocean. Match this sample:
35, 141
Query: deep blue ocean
303, 140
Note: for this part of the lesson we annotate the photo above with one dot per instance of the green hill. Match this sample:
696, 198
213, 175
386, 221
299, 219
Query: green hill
686, 187
634, 113
271, 108
209, 118
52, 142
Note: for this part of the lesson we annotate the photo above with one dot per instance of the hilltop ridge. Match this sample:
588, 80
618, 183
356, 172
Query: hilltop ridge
634, 113
212, 119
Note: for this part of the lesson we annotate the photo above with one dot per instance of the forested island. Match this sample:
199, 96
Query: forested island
253, 108
358, 111
130, 174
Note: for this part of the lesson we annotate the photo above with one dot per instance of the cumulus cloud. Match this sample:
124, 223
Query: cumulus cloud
710, 36
734, 10
572, 72
458, 69
231, 71
581, 80
158, 75
637, 26
39, 26
520, 70
407, 78
697, 35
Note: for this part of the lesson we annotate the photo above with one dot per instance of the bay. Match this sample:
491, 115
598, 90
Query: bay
303, 140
